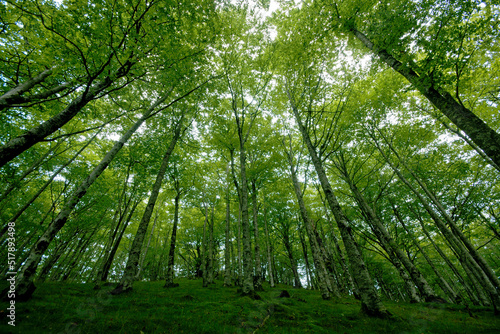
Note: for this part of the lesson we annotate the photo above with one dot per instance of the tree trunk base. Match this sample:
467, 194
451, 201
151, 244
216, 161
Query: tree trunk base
120, 289
252, 294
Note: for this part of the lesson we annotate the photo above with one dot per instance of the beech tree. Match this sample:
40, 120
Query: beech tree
350, 148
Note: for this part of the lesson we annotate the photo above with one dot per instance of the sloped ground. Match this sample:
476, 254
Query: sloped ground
150, 308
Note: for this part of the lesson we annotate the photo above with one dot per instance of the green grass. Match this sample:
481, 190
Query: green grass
189, 308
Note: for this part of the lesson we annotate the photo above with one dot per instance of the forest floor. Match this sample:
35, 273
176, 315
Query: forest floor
150, 308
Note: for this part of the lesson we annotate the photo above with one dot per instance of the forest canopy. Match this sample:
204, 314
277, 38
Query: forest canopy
349, 147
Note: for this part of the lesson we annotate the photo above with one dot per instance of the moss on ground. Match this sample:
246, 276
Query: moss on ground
189, 308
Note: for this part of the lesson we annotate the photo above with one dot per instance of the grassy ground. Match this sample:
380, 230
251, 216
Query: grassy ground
77, 308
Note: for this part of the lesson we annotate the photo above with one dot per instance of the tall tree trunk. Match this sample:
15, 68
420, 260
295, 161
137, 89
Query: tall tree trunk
460, 278
227, 243
462, 253
10, 97
332, 277
475, 128
423, 286
347, 274
204, 255
324, 282
293, 264
73, 264
210, 263
24, 282
18, 145
135, 251
169, 282
238, 245
371, 303
473, 251
306, 257
52, 177
268, 247
145, 253
258, 267
442, 282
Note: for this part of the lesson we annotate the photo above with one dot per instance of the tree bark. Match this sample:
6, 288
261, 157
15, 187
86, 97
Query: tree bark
247, 286
324, 282
143, 255
8, 98
464, 256
169, 282
227, 243
24, 282
36, 134
371, 303
258, 267
210, 263
475, 128
204, 255
268, 247
455, 298
135, 251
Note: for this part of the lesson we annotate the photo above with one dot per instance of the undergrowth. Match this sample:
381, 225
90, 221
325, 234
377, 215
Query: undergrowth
150, 308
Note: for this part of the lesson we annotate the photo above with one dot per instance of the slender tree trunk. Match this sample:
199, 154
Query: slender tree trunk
12, 95
248, 287
143, 257
293, 263
464, 283
135, 251
306, 257
324, 282
109, 259
351, 284
258, 266
473, 251
18, 145
118, 216
423, 286
169, 282
371, 303
332, 277
475, 128
238, 244
442, 282
463, 255
24, 282
210, 263
204, 256
268, 247
73, 264
227, 243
